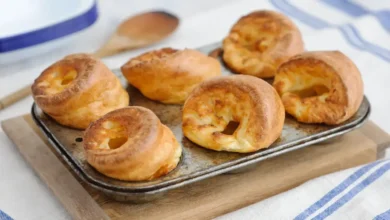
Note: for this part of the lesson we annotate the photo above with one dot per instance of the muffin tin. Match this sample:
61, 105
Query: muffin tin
196, 163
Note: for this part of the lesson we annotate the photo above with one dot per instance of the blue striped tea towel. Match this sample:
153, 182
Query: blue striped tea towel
4, 216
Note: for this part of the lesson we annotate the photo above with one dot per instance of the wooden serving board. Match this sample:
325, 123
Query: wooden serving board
203, 200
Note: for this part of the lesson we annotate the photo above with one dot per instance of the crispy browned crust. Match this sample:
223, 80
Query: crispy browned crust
331, 69
151, 150
93, 92
259, 42
245, 99
169, 75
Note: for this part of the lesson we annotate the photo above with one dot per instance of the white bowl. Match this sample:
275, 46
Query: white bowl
28, 28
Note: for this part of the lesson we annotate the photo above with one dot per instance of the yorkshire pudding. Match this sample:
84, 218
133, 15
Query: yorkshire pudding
233, 113
131, 144
169, 75
77, 90
259, 42
320, 87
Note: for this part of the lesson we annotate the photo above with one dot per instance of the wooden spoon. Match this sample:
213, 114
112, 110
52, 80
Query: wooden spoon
135, 32
139, 31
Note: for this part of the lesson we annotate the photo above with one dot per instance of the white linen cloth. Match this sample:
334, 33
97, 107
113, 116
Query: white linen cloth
358, 28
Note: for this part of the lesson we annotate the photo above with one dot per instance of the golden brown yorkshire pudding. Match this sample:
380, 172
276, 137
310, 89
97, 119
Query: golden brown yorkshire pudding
259, 42
320, 87
168, 75
233, 113
131, 144
77, 90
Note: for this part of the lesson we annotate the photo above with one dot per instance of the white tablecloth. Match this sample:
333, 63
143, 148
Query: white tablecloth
357, 29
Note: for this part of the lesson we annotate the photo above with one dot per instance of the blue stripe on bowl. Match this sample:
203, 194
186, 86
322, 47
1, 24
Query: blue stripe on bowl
50, 33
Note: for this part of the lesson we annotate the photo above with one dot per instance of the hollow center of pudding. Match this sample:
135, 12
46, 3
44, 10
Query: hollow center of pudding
230, 128
312, 91
307, 79
117, 142
59, 79
115, 135
69, 77
222, 117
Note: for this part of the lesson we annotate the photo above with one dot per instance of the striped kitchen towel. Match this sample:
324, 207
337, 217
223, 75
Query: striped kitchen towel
4, 216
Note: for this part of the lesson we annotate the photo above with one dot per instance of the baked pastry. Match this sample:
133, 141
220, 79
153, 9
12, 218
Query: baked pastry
168, 75
320, 87
259, 42
77, 90
212, 109
131, 144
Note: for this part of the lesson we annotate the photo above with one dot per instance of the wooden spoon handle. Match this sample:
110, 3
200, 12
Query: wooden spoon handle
14, 97
117, 44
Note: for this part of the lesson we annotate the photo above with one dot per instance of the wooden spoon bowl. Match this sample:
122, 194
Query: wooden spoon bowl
138, 31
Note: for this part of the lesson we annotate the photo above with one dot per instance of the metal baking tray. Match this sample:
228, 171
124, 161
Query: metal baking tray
196, 163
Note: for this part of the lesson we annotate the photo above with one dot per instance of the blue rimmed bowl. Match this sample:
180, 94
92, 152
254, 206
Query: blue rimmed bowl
31, 27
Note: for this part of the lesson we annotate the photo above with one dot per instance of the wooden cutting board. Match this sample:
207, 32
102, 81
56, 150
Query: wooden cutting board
203, 200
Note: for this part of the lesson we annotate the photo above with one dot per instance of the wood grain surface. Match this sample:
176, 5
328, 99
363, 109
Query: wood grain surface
206, 199
64, 186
